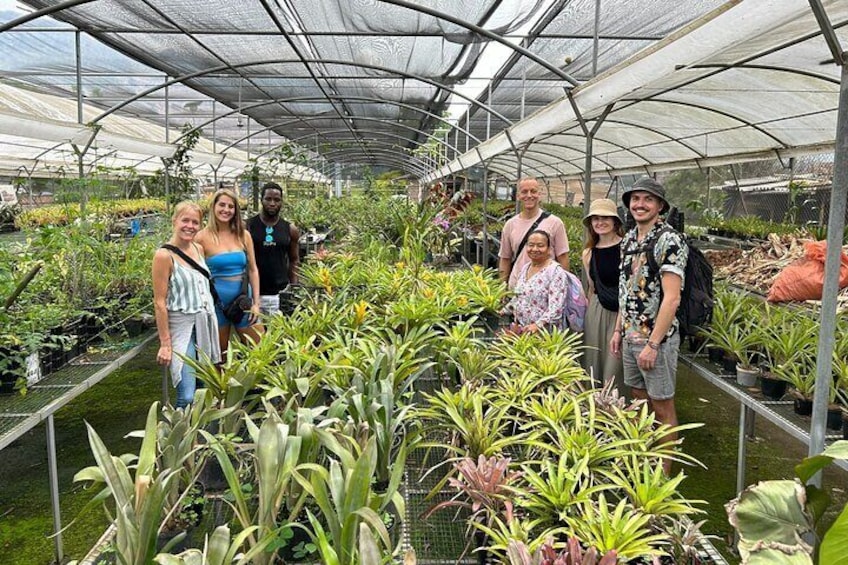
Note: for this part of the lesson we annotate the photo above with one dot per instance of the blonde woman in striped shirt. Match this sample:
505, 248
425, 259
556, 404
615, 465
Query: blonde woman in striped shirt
182, 301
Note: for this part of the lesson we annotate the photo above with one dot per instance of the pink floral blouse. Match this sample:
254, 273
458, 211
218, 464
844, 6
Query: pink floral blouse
541, 299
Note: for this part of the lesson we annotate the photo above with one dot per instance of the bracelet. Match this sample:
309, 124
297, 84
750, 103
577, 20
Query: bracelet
616, 331
653, 345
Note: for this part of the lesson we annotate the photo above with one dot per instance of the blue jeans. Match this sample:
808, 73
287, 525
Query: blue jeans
188, 380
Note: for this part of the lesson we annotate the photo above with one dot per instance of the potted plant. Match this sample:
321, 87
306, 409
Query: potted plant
802, 379
785, 337
741, 340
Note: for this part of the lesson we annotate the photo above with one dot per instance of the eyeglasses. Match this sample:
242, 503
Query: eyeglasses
269, 234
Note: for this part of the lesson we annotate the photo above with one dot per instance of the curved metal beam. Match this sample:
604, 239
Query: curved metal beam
728, 115
402, 3
281, 28
42, 12
318, 98
405, 166
486, 33
212, 70
567, 133
511, 158
384, 154
199, 43
800, 72
314, 118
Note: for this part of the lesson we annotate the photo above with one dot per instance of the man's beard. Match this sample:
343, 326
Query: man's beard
270, 214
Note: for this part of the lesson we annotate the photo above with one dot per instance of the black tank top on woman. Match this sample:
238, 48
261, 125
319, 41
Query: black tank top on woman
604, 265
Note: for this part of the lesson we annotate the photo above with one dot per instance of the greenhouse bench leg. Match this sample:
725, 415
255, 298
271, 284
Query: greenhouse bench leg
745, 415
54, 489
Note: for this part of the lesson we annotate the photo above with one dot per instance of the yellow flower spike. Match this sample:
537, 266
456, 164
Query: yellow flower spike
428, 293
400, 264
462, 302
477, 269
360, 309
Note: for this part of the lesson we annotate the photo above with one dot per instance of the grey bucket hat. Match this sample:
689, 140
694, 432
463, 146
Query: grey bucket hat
646, 184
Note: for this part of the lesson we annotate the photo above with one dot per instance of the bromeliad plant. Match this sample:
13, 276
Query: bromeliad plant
139, 498
342, 491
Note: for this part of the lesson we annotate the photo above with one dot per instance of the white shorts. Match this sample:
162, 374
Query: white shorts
269, 304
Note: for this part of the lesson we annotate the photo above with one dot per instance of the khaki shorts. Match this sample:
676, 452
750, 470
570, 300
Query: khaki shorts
660, 381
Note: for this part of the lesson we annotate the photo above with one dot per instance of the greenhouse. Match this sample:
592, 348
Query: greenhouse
423, 282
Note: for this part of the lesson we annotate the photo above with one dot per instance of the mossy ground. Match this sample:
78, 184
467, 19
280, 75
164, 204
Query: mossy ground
114, 407
119, 404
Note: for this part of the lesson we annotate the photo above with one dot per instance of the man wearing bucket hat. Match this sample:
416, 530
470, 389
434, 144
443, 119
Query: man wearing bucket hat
513, 254
601, 261
647, 336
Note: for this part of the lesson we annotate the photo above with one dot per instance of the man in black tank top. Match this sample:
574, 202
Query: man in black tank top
275, 244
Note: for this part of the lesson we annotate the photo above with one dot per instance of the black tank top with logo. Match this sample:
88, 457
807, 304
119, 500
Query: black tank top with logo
271, 246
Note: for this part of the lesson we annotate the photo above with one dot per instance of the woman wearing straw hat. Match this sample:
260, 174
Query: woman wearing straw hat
601, 261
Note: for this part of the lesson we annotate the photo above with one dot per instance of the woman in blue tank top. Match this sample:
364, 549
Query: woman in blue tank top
229, 254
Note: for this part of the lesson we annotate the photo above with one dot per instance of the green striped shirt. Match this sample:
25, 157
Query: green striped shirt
188, 290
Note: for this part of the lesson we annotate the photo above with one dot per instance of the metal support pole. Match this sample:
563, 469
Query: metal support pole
523, 90
742, 452
595, 38
467, 128
835, 227
53, 476
78, 57
590, 136
80, 119
489, 114
485, 245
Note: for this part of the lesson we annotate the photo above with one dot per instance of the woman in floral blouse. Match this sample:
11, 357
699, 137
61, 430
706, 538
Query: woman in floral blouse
541, 288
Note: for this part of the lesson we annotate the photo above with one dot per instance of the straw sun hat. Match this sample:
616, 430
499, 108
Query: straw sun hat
601, 207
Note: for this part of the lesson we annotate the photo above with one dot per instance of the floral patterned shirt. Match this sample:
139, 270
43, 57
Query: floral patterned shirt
640, 290
540, 299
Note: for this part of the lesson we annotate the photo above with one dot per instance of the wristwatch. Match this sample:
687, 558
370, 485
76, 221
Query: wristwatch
653, 345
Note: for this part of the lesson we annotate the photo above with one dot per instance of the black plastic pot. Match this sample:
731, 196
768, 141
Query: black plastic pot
715, 355
212, 476
834, 418
729, 365
481, 540
134, 326
845, 426
773, 389
803, 406
14, 367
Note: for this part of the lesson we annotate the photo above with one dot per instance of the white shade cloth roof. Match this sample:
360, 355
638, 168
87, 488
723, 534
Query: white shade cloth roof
366, 81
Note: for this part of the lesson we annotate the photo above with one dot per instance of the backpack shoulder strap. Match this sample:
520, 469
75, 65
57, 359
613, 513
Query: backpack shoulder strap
650, 245
535, 225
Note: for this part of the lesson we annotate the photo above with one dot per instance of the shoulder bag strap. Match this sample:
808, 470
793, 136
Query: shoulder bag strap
194, 265
535, 225
244, 275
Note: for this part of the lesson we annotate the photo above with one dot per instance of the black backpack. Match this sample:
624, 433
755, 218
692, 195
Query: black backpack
697, 298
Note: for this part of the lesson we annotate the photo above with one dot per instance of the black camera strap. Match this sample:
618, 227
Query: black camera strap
535, 225
194, 265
